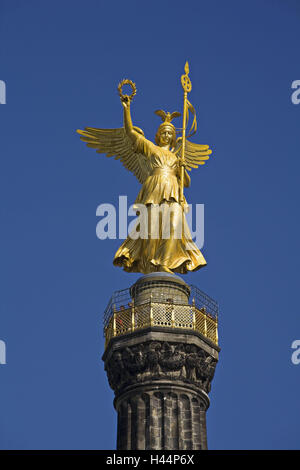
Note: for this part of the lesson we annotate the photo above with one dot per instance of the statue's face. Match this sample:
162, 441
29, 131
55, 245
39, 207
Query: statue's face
165, 136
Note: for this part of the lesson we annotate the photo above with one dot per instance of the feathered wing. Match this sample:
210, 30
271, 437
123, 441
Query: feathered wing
194, 154
115, 142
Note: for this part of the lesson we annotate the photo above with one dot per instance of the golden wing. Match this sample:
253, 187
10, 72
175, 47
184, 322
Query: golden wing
115, 142
194, 155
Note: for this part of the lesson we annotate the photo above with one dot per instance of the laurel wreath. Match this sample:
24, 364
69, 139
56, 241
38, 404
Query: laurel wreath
133, 87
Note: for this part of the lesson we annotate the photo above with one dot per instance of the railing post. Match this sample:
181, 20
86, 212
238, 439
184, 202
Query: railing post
173, 316
217, 334
114, 322
132, 315
205, 325
151, 311
194, 314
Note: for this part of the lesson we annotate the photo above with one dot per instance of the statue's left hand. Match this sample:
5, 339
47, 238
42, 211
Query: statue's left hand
181, 162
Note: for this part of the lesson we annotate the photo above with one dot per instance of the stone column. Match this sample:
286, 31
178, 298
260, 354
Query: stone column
161, 377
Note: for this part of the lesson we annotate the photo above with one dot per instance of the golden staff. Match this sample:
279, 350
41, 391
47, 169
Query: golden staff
187, 86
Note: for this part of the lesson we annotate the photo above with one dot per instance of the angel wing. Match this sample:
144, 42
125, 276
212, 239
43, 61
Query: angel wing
194, 154
115, 142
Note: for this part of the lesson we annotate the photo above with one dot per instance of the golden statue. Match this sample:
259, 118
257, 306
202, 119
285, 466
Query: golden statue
162, 171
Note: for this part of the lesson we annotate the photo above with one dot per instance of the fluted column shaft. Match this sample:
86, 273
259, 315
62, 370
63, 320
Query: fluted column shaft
161, 420
161, 380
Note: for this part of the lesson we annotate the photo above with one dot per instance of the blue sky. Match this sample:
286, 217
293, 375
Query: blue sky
61, 62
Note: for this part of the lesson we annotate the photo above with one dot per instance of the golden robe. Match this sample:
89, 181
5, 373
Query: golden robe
161, 188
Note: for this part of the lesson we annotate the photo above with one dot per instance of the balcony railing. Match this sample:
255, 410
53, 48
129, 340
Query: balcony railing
124, 320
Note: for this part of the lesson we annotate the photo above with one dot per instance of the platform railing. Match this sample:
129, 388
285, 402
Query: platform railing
161, 314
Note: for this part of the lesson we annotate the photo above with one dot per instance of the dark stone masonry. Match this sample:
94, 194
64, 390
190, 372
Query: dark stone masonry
161, 378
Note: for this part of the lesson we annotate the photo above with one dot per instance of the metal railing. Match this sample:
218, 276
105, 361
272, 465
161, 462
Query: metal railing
122, 299
133, 317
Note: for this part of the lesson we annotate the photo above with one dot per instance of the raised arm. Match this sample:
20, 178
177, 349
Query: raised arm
136, 135
132, 134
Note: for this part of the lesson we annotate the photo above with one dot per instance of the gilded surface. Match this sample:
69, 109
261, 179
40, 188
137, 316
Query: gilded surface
162, 169
164, 315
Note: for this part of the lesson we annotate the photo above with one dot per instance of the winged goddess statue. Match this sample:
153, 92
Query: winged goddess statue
162, 169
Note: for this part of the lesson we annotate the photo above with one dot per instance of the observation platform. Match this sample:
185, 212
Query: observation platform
161, 300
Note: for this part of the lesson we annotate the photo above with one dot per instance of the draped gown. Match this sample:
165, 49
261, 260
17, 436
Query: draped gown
173, 248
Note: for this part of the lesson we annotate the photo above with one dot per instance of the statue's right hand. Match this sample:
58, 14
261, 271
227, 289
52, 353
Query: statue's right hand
125, 101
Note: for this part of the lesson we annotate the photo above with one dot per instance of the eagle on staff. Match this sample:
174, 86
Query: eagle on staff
162, 169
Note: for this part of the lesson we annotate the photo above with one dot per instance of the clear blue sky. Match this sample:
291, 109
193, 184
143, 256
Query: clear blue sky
61, 62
